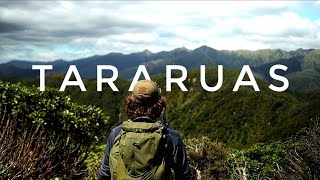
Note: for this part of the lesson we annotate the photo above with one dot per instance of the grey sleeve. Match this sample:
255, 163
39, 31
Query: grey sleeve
180, 161
104, 171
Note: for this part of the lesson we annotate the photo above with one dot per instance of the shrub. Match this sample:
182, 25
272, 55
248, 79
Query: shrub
93, 161
213, 160
44, 135
207, 158
303, 160
258, 162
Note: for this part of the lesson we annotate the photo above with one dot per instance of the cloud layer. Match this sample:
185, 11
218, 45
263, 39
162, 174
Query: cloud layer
52, 30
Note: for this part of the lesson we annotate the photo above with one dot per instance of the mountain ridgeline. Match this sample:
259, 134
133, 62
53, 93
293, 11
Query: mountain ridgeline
239, 119
303, 65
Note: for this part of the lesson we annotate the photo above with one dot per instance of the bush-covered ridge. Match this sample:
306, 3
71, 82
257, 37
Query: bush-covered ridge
44, 135
294, 158
238, 119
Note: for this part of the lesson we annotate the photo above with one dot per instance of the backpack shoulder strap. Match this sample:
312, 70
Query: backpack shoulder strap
119, 135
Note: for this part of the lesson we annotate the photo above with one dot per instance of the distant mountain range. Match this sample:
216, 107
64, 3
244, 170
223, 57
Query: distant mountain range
303, 65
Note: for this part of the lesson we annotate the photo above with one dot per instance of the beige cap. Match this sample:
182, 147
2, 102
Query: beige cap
146, 88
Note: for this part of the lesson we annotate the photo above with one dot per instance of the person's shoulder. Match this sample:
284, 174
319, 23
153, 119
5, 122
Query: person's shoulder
173, 133
116, 130
174, 138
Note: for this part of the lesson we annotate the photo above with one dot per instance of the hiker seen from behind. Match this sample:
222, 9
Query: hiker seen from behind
144, 147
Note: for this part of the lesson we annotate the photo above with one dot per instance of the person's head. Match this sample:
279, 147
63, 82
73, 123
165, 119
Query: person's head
145, 100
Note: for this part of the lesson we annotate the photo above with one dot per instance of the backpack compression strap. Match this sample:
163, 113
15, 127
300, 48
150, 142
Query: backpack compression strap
143, 119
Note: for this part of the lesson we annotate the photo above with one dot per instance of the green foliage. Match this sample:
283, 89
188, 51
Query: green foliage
213, 160
110, 102
51, 109
3, 172
294, 158
93, 161
44, 134
239, 119
207, 159
194, 112
305, 81
259, 161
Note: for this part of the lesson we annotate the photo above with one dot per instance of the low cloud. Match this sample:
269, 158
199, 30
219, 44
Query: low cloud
68, 29
6, 27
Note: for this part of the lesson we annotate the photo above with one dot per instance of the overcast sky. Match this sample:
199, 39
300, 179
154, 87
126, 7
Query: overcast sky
50, 30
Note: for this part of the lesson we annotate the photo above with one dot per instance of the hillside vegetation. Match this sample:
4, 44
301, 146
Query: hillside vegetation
238, 119
228, 135
44, 135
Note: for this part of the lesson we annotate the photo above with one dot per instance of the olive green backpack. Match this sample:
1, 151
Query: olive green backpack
138, 152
